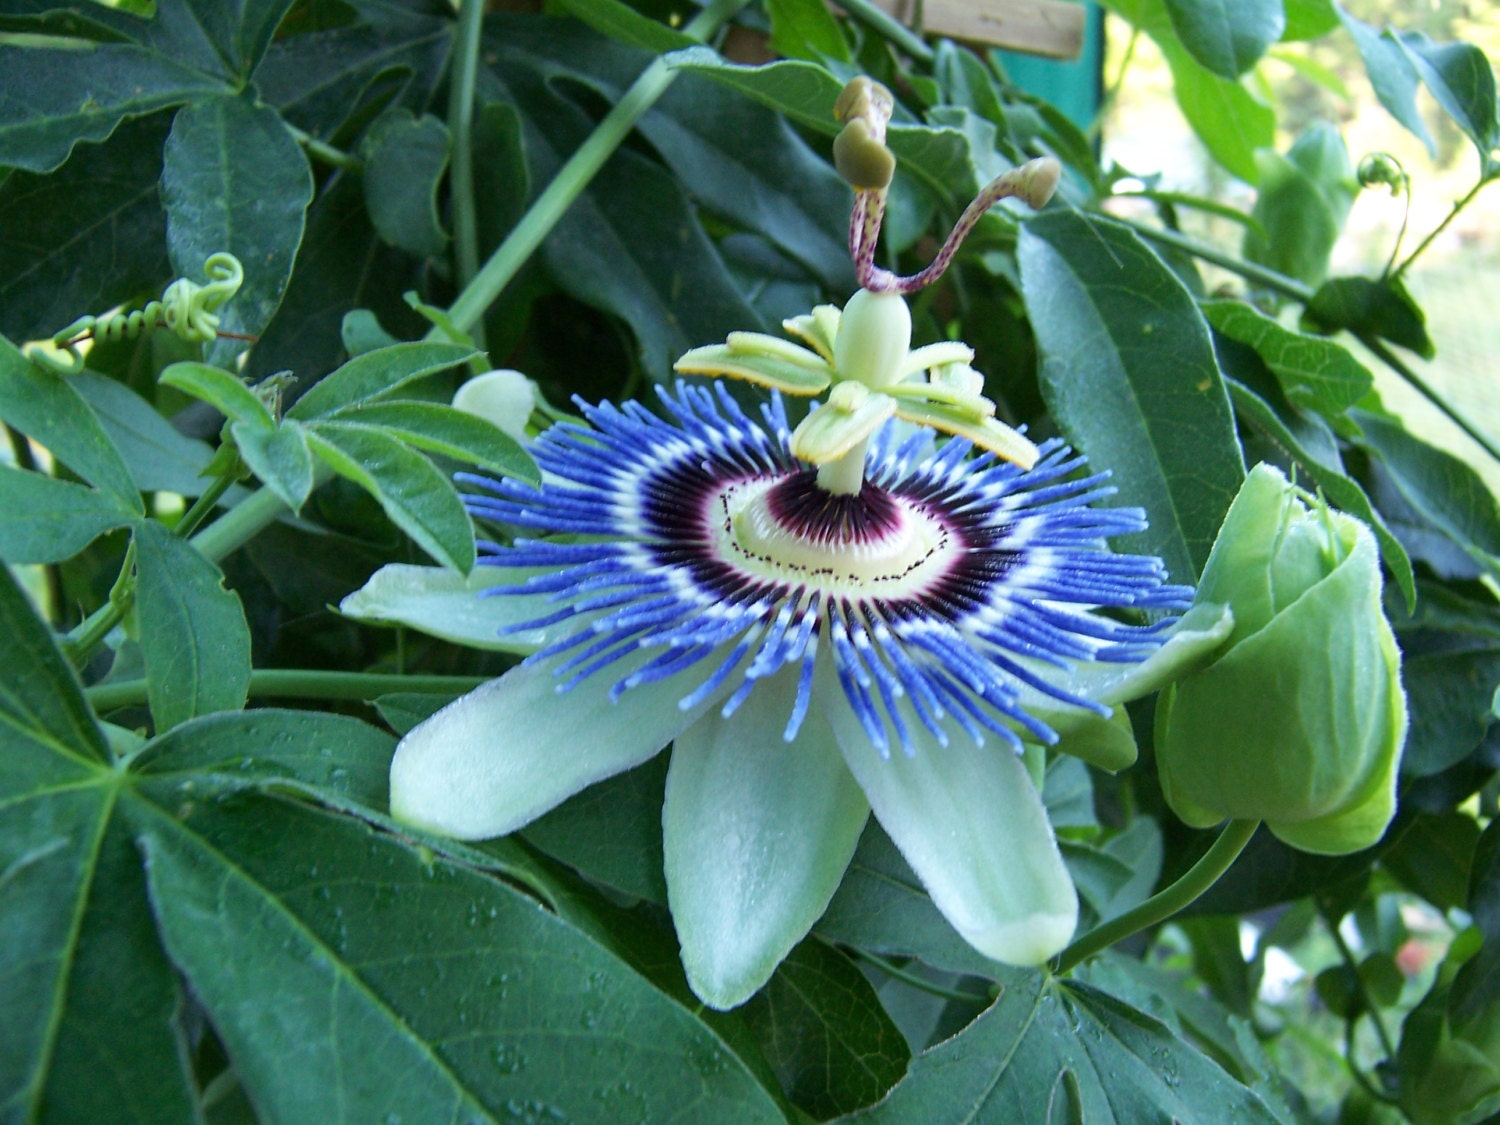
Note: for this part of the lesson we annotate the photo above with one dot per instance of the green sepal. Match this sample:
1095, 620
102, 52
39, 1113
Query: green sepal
986, 433
847, 419
819, 328
775, 372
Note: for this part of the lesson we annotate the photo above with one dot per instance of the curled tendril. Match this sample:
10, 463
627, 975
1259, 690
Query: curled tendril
861, 157
186, 308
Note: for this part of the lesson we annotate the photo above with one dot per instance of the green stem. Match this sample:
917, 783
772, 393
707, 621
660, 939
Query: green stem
91, 632
914, 981
240, 524
1430, 393
206, 502
1366, 1000
574, 177
301, 683
1270, 279
461, 80
326, 152
1442, 226
1161, 906
888, 27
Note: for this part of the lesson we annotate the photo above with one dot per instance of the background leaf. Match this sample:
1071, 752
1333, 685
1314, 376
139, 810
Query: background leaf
405, 158
1227, 36
832, 1046
417, 498
1008, 1065
235, 180
196, 642
1130, 377
48, 520
48, 410
51, 270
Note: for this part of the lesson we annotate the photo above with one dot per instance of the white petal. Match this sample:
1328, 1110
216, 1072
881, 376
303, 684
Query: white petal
505, 398
971, 824
502, 755
443, 603
758, 832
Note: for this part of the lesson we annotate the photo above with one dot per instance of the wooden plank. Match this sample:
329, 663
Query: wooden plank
1040, 27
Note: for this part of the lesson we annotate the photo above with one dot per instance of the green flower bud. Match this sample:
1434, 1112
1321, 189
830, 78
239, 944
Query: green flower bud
1300, 718
863, 162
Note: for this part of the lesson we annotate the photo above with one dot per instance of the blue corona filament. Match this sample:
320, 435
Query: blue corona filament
947, 582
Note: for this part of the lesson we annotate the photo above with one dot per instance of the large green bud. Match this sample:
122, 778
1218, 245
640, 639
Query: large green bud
1300, 718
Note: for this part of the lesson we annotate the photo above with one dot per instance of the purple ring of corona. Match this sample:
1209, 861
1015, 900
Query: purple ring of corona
1013, 567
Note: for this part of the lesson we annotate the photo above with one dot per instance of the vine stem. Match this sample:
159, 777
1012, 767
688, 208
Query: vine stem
1347, 955
1430, 393
888, 27
338, 158
1442, 226
574, 176
301, 683
461, 81
1161, 906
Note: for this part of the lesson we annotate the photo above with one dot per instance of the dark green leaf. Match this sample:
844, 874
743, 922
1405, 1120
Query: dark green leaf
1068, 793
417, 498
436, 428
321, 78
881, 906
743, 162
1218, 962
240, 30
1392, 75
824, 1033
338, 934
157, 455
1476, 988
805, 29
1432, 858
85, 238
1461, 81
619, 21
1301, 205
1129, 374
1315, 373
1448, 492
1227, 36
803, 92
45, 407
611, 832
374, 374
1451, 696
193, 633
341, 265
1340, 489
47, 520
234, 179
88, 1033
1126, 1067
49, 734
59, 96
1374, 307
225, 392
362, 332
281, 458
338, 760
405, 158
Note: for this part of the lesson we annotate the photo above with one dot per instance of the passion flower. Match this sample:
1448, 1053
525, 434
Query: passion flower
823, 622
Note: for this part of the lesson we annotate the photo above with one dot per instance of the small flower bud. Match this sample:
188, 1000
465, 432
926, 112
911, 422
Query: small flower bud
505, 398
863, 162
1300, 718
1382, 169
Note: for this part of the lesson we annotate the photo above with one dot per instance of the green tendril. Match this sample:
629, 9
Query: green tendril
186, 308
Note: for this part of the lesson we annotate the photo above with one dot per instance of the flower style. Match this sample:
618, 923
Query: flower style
823, 622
